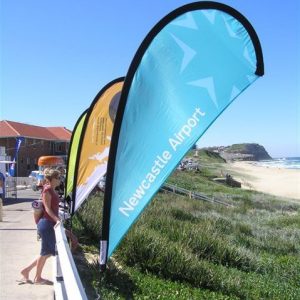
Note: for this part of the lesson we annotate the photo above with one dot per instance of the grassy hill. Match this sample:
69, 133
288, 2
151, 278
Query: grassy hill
182, 248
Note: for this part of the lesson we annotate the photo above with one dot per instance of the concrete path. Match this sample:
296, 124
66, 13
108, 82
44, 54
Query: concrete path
18, 248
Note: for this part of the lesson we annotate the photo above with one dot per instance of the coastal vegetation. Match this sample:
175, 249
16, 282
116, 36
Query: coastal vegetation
182, 248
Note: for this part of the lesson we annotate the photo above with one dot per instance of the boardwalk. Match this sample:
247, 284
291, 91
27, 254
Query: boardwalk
18, 248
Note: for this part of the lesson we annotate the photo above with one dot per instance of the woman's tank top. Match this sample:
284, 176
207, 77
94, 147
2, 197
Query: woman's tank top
54, 202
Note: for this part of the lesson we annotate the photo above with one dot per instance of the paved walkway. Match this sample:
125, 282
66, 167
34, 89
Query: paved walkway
18, 248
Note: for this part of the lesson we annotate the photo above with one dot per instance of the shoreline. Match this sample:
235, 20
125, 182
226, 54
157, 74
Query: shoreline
270, 180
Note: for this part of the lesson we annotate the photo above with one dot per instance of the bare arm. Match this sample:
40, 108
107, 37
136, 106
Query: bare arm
73, 238
47, 204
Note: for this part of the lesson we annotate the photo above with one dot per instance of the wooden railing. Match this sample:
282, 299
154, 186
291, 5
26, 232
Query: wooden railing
195, 195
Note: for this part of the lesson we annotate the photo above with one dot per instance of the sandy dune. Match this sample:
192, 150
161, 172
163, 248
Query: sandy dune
275, 181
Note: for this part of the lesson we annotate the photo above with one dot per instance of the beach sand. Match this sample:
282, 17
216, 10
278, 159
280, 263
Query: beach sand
275, 181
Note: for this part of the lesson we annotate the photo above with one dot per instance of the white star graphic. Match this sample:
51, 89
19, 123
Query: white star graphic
187, 22
210, 15
229, 28
251, 78
234, 92
247, 57
188, 53
208, 84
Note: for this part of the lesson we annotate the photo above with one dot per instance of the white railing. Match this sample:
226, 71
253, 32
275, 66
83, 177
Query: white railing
67, 283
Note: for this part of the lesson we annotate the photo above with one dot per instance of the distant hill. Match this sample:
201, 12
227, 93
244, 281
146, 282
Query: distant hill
246, 151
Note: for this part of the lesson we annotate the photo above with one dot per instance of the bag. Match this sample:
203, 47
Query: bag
38, 210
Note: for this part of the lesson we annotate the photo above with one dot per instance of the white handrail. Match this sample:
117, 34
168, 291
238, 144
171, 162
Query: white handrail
72, 283
59, 286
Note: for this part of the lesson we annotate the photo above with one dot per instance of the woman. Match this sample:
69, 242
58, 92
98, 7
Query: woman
46, 227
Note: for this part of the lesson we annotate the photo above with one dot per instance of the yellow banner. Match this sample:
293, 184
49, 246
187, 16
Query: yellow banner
96, 141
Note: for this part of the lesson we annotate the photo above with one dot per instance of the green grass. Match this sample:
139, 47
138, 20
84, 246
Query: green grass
182, 248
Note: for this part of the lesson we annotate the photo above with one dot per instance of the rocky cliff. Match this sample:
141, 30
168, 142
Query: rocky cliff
247, 151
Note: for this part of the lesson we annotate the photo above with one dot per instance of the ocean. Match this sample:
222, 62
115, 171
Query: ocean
283, 162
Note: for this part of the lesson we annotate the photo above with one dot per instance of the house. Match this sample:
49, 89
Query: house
38, 141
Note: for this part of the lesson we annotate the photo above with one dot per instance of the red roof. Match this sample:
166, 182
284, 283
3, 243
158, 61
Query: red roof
15, 129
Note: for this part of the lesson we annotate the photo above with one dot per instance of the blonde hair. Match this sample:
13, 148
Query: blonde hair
51, 173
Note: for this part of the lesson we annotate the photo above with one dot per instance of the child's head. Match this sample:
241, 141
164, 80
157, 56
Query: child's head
51, 173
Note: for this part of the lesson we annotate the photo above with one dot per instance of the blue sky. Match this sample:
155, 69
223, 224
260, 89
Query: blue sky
57, 55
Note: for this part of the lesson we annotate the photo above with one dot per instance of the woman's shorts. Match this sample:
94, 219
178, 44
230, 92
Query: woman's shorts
46, 231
